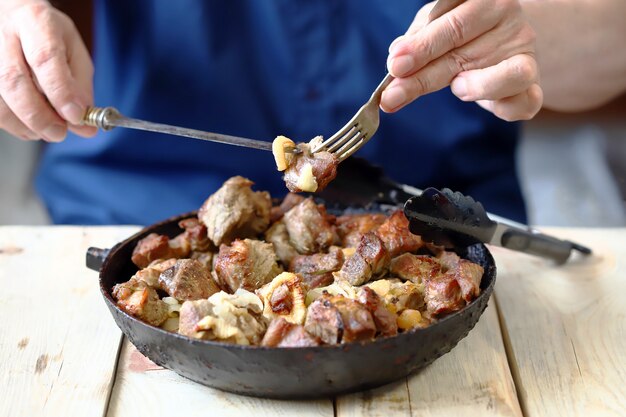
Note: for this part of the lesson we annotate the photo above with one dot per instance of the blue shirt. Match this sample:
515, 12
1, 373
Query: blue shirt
258, 69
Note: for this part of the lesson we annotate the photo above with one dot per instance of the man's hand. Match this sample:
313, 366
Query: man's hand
45, 73
483, 49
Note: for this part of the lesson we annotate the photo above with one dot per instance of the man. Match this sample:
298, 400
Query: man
259, 69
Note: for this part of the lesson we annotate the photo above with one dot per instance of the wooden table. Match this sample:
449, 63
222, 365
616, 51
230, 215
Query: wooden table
552, 342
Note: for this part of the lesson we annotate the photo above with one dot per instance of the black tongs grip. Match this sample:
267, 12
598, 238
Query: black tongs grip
452, 219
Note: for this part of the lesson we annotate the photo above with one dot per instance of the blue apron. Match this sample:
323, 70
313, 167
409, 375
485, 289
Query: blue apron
258, 69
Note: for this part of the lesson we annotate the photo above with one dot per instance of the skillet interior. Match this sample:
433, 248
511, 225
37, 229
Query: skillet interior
289, 372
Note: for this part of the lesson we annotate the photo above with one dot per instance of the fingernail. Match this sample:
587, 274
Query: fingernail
395, 43
459, 87
401, 65
54, 133
73, 113
393, 98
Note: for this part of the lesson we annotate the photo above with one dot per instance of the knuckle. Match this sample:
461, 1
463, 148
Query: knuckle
419, 85
525, 69
456, 29
10, 78
458, 61
45, 55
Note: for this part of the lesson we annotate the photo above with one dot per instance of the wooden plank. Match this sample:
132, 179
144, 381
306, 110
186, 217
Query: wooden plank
58, 342
472, 380
143, 388
565, 327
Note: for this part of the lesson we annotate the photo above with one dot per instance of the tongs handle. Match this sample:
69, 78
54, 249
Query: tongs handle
539, 244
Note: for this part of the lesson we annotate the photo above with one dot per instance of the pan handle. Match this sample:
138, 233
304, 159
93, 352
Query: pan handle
95, 258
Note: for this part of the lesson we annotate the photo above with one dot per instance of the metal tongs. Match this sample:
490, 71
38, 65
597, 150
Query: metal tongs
452, 219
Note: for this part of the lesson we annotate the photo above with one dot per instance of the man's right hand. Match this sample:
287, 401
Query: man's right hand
46, 72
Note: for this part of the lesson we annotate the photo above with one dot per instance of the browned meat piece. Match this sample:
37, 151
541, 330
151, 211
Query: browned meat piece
191, 313
352, 226
396, 235
338, 319
324, 321
235, 211
281, 333
247, 264
370, 260
291, 200
154, 247
150, 274
443, 295
196, 234
449, 260
416, 268
205, 258
317, 169
188, 279
278, 236
468, 275
317, 270
358, 323
384, 319
309, 229
137, 299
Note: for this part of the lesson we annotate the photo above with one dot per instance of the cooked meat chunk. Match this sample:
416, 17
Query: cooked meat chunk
352, 226
188, 279
370, 259
324, 321
416, 268
191, 313
396, 235
154, 247
443, 295
278, 236
196, 234
317, 270
137, 299
205, 258
235, 211
247, 264
358, 323
150, 274
235, 318
309, 229
310, 171
337, 319
281, 333
291, 200
449, 260
284, 297
468, 275
459, 284
384, 319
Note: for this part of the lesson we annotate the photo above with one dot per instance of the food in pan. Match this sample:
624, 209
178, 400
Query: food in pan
304, 170
291, 275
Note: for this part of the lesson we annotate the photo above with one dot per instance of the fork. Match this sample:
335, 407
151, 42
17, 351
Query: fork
360, 129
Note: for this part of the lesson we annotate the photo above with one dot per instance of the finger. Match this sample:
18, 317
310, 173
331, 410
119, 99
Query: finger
486, 51
523, 106
12, 124
46, 52
82, 70
505, 79
452, 30
19, 92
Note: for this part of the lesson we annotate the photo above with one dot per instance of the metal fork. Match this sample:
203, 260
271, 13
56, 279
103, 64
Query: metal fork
360, 129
